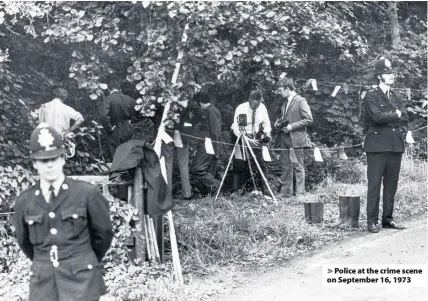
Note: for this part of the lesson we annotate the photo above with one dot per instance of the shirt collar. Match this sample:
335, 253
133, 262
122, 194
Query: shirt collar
383, 87
44, 185
292, 94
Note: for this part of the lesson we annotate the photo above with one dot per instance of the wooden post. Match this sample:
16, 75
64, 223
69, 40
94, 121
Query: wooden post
160, 234
138, 197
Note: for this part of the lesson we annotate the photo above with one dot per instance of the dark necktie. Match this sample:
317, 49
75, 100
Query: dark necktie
52, 194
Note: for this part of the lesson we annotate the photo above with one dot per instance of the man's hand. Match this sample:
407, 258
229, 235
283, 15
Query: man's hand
253, 142
398, 112
288, 128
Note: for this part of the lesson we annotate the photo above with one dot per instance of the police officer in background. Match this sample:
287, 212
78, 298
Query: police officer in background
63, 226
386, 120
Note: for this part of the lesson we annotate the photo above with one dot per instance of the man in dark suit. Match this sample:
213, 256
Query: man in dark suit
189, 116
117, 112
63, 226
204, 164
295, 117
386, 119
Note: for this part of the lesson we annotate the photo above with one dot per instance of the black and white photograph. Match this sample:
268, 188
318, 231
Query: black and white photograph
213, 151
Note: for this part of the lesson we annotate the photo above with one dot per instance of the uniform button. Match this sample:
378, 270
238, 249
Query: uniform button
52, 214
64, 186
90, 266
75, 216
37, 192
393, 130
375, 133
54, 231
55, 263
31, 273
30, 222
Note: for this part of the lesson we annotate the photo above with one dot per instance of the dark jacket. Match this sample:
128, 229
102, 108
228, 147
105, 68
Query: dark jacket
189, 117
80, 219
117, 112
385, 131
130, 155
210, 125
299, 117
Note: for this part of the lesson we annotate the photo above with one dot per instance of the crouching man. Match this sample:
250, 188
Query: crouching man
63, 226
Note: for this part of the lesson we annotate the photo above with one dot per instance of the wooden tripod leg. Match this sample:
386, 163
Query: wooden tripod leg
260, 169
227, 168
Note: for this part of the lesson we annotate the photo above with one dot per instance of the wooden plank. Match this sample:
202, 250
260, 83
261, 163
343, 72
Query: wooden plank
100, 180
138, 200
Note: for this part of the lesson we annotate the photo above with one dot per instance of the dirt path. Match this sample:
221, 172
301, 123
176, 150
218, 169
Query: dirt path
302, 280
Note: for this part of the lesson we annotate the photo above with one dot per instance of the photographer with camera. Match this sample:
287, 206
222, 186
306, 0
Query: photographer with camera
295, 117
252, 120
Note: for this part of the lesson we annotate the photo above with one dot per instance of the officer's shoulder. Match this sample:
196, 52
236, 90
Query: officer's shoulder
83, 185
373, 91
25, 194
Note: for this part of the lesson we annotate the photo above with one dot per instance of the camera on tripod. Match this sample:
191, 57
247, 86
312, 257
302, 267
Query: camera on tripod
242, 120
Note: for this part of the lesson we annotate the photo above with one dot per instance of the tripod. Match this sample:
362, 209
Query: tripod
245, 141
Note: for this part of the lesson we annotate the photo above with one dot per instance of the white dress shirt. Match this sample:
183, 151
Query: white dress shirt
261, 117
44, 187
384, 88
289, 99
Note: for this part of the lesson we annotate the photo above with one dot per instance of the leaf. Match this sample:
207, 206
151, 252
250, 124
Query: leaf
253, 42
93, 96
146, 4
81, 13
103, 86
245, 49
229, 56
72, 75
277, 62
66, 8
46, 40
90, 37
257, 58
270, 14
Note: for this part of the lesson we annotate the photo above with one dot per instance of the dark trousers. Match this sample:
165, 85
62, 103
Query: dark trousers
183, 165
382, 166
203, 168
241, 171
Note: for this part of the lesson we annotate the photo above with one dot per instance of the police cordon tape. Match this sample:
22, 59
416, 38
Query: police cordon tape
281, 149
313, 82
316, 149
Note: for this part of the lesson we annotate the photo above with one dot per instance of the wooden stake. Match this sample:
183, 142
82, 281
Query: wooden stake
174, 248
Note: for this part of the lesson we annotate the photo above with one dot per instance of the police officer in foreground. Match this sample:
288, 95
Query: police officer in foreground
386, 119
63, 226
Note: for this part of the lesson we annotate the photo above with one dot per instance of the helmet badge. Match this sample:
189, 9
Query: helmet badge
46, 139
387, 63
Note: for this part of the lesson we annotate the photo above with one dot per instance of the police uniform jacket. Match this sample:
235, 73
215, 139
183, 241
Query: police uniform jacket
77, 225
385, 130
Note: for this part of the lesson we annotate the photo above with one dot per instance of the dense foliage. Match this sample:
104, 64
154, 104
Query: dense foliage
231, 48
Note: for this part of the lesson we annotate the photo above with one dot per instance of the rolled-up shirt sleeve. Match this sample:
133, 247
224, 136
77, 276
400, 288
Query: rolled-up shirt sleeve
265, 120
73, 114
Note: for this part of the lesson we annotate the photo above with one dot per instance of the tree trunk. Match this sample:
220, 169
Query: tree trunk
395, 30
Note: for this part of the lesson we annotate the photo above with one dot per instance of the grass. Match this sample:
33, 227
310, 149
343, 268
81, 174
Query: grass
220, 239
